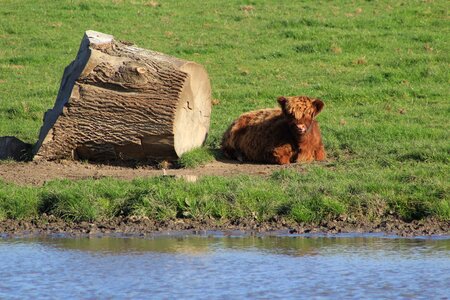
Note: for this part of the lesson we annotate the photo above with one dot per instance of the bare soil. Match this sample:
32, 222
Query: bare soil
37, 173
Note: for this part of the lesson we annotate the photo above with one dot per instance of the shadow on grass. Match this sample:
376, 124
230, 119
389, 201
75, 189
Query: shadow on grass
11, 148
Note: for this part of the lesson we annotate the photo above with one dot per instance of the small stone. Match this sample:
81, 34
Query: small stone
187, 178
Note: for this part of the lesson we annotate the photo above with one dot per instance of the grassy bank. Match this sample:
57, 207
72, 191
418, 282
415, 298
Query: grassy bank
287, 193
381, 68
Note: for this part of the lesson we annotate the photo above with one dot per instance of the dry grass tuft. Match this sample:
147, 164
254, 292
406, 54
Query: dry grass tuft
428, 48
361, 61
336, 50
152, 4
247, 8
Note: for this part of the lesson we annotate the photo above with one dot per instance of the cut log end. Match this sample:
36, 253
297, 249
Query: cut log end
193, 113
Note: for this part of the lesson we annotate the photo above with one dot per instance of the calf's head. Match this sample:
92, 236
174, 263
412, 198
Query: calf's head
300, 111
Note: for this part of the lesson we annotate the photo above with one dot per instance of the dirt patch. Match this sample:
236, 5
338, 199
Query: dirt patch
143, 226
37, 173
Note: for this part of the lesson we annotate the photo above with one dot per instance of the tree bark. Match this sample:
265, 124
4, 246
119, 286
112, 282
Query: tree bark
121, 102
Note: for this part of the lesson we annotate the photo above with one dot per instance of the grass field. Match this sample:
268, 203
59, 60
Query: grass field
381, 67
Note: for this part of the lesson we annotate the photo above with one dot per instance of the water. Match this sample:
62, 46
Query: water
217, 267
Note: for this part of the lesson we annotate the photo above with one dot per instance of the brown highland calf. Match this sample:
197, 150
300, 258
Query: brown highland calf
279, 136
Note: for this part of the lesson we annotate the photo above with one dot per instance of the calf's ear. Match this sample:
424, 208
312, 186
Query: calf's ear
318, 105
282, 101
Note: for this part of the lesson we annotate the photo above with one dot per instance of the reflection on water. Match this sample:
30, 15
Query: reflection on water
198, 245
225, 268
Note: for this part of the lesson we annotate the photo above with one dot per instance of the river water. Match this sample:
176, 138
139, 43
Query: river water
220, 267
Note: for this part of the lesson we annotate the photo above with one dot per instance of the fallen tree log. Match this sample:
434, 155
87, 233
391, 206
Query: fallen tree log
121, 102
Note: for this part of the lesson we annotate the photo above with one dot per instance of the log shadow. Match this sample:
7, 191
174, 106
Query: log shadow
220, 157
11, 148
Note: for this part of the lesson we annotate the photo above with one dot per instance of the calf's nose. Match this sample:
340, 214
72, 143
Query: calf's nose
301, 128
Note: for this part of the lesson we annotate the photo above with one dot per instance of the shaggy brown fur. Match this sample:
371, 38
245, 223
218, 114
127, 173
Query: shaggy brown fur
280, 136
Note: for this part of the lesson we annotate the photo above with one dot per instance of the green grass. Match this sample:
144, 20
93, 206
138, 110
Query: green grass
381, 68
287, 193
18, 202
196, 157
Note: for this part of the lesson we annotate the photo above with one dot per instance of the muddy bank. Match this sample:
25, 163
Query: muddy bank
142, 226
